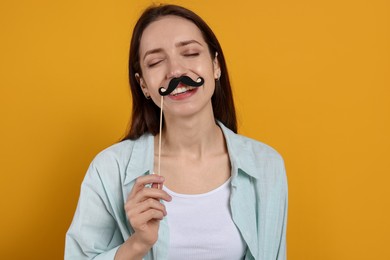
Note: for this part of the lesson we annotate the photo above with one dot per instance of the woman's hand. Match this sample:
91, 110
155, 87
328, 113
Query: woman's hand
144, 211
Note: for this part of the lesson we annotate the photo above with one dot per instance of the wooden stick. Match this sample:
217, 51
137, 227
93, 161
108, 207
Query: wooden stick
159, 139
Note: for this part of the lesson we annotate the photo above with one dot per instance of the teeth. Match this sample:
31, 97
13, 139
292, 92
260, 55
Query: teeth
180, 90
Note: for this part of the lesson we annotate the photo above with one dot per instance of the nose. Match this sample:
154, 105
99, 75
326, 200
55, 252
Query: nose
175, 68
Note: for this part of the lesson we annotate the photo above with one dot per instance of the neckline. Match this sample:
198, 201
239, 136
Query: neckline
198, 195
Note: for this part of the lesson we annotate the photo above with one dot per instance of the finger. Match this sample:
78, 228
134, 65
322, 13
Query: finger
145, 217
157, 185
144, 180
147, 193
152, 214
144, 206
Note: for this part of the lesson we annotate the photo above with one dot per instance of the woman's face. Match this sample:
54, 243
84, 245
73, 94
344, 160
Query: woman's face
171, 47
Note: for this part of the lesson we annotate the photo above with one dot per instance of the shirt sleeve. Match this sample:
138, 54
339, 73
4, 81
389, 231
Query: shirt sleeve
94, 232
282, 246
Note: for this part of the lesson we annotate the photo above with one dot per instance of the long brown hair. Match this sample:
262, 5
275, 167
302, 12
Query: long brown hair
145, 114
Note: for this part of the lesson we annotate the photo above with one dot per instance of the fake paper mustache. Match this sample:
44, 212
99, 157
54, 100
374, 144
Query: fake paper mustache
176, 81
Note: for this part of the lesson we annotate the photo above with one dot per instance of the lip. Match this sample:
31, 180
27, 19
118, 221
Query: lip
183, 95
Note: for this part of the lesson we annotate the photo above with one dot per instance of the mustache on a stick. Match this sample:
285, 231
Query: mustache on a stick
176, 81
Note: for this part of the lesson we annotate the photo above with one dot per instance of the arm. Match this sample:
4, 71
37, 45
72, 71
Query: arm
95, 231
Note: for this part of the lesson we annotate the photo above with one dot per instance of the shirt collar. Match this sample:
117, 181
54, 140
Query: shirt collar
243, 152
240, 149
141, 158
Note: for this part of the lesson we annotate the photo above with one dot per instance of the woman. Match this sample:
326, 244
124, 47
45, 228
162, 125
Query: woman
220, 195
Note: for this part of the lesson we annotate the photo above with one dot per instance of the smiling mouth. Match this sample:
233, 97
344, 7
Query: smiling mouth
181, 89
183, 81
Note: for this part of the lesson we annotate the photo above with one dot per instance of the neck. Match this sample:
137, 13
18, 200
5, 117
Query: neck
195, 137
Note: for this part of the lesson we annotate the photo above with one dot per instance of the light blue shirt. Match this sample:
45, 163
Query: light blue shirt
258, 200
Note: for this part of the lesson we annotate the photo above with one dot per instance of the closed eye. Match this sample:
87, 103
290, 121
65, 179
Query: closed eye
191, 54
154, 63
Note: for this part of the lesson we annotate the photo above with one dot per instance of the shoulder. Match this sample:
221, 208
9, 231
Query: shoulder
119, 152
264, 164
259, 149
113, 156
115, 160
255, 158
248, 150
123, 151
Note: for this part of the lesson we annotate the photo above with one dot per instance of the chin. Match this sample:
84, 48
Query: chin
189, 110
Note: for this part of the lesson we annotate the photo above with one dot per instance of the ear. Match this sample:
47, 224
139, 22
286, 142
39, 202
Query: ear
137, 78
140, 81
216, 67
142, 84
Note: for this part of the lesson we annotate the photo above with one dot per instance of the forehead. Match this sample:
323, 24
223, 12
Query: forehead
167, 31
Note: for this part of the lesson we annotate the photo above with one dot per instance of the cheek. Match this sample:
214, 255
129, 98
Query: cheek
202, 68
153, 80
207, 72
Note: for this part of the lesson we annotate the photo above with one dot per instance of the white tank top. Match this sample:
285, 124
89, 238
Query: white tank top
201, 226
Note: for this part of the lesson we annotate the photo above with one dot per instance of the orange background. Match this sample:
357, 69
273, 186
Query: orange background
311, 78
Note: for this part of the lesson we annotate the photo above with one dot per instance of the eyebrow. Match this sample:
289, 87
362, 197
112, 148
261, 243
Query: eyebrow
152, 51
184, 43
179, 44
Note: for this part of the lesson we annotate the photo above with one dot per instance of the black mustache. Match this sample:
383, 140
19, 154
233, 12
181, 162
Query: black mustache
176, 81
